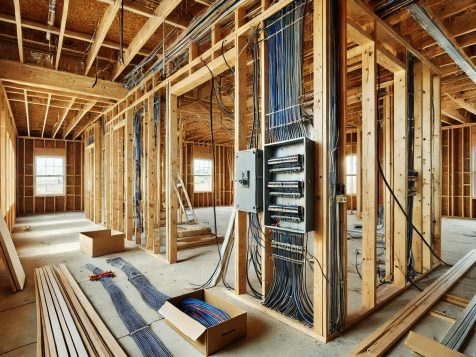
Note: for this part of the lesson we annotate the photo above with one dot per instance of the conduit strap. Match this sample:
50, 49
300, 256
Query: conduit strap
151, 296
147, 341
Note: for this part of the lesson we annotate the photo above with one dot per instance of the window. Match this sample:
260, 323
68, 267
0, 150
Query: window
351, 174
202, 175
49, 175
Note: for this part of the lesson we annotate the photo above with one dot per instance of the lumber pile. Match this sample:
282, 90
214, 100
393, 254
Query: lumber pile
9, 256
393, 330
67, 324
193, 236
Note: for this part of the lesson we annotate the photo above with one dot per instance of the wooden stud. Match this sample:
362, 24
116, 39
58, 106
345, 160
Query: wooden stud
369, 175
400, 178
27, 112
129, 175
46, 115
436, 168
388, 170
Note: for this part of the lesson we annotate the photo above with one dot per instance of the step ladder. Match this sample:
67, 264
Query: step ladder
186, 208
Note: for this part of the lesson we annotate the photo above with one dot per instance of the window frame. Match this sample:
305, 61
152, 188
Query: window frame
195, 175
49, 155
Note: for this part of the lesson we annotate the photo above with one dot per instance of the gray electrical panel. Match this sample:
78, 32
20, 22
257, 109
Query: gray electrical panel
289, 185
249, 180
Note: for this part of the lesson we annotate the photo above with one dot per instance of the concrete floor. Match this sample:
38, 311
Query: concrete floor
53, 240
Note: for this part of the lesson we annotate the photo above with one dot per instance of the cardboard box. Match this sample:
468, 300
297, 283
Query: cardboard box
206, 340
102, 242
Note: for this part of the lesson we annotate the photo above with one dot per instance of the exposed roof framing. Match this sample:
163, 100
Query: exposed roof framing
16, 3
67, 33
62, 29
62, 81
46, 115
63, 117
462, 103
152, 24
78, 118
101, 32
27, 112
143, 10
454, 114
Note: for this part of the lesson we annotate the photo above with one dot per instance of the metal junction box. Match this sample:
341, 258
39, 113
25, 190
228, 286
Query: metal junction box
289, 185
249, 180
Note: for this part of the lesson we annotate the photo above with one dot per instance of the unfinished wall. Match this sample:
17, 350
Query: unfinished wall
7, 163
459, 166
224, 160
27, 202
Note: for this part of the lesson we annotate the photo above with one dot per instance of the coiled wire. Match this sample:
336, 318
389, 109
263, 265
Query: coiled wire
201, 311
147, 341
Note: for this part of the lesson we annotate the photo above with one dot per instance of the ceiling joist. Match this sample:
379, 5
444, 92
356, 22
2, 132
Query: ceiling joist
62, 29
101, 33
46, 115
78, 118
16, 4
63, 117
62, 81
149, 28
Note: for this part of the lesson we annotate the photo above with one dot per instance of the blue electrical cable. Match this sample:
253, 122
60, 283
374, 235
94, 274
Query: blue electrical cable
137, 161
206, 314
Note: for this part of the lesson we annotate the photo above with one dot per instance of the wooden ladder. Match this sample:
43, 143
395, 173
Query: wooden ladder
186, 208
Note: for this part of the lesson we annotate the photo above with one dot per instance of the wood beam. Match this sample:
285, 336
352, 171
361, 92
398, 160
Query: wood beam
67, 33
61, 34
101, 33
455, 114
16, 4
27, 112
86, 108
63, 117
462, 103
62, 81
46, 115
203, 2
149, 28
143, 10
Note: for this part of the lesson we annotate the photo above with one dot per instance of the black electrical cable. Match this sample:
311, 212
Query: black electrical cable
397, 200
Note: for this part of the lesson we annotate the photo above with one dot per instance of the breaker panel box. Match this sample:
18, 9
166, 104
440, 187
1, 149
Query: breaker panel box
289, 185
249, 180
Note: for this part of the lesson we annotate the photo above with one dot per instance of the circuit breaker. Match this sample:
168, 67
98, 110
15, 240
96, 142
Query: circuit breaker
289, 185
249, 180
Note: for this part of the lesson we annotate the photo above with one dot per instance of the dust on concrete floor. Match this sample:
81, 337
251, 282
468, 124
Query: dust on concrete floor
53, 240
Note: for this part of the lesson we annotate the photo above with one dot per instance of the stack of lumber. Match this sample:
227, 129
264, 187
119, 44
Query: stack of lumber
67, 324
193, 236
9, 256
393, 330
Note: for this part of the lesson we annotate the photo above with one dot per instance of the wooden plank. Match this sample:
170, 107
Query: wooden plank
321, 110
12, 261
63, 117
16, 4
171, 177
49, 345
64, 17
400, 177
427, 132
240, 144
436, 168
369, 175
152, 24
57, 80
46, 114
86, 108
27, 112
428, 347
389, 333
129, 176
388, 170
101, 32
418, 157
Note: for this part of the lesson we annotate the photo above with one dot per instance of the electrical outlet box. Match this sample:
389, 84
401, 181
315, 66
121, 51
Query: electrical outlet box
249, 180
289, 196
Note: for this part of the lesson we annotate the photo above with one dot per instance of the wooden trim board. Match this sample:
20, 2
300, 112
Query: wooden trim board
12, 261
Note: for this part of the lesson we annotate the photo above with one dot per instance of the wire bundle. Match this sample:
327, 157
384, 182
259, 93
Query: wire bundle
151, 296
288, 293
147, 341
206, 314
284, 33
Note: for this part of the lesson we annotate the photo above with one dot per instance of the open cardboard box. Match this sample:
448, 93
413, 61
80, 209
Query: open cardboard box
206, 340
102, 242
